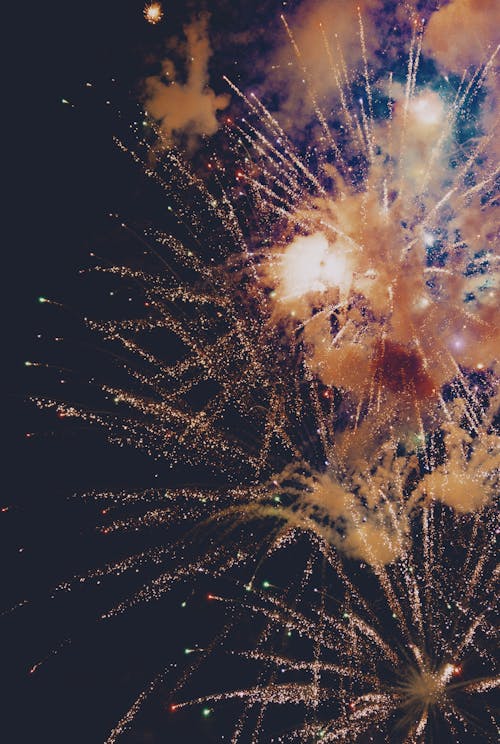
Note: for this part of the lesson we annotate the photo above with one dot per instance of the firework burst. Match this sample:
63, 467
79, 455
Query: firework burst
336, 372
399, 653
153, 13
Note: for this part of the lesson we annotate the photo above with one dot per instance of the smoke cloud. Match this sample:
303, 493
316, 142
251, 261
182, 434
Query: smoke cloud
463, 33
188, 108
327, 39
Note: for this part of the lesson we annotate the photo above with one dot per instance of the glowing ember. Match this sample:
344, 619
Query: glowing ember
153, 13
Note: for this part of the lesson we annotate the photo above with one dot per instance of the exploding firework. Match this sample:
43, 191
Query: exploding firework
335, 373
416, 665
153, 13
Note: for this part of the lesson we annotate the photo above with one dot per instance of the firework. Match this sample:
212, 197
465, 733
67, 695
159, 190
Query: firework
337, 375
419, 665
153, 13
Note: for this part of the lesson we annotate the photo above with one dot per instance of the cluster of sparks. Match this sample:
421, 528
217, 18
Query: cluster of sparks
336, 373
153, 13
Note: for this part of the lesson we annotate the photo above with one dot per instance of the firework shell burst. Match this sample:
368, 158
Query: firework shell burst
337, 374
153, 13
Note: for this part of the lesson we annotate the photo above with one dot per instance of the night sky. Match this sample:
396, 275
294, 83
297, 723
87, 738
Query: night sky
81, 71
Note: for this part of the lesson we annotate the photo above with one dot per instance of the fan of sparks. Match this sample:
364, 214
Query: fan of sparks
334, 309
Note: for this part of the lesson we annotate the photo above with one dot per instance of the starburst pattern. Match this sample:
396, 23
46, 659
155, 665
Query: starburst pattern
153, 13
334, 368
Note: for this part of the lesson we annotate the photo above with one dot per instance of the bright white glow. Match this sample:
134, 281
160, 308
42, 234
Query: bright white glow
422, 302
427, 108
310, 264
428, 239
